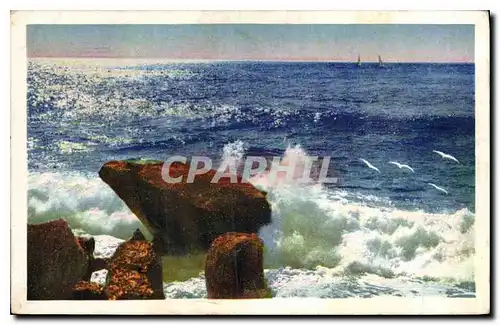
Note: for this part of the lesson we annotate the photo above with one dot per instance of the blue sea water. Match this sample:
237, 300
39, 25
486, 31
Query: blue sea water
400, 113
84, 113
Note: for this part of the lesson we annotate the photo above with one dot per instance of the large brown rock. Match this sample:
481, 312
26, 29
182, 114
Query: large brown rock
135, 272
185, 217
56, 261
234, 267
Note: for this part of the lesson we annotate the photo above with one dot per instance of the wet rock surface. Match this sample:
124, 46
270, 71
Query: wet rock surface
56, 261
183, 216
234, 267
135, 272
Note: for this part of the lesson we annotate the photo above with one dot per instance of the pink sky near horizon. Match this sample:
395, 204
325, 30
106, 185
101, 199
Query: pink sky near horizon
394, 43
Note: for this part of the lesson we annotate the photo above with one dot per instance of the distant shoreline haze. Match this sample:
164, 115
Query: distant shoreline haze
195, 60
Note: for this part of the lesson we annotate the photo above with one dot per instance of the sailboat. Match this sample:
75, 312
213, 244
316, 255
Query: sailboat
380, 63
358, 64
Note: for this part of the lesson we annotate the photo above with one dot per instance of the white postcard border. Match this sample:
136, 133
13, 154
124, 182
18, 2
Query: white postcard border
313, 306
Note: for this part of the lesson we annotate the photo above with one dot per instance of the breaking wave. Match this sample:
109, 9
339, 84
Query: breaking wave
312, 225
87, 203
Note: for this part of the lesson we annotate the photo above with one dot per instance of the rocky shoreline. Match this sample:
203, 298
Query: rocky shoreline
65, 266
132, 269
219, 218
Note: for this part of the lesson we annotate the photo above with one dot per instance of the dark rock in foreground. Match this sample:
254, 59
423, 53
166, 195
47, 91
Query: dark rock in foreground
135, 272
234, 267
85, 290
183, 216
56, 261
60, 266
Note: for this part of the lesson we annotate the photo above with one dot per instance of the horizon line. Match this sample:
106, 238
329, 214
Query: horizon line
200, 60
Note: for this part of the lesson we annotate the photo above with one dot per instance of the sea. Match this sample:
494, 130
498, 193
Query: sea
371, 233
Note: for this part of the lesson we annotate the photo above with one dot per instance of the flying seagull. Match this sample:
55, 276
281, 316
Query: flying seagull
401, 165
438, 188
370, 165
444, 155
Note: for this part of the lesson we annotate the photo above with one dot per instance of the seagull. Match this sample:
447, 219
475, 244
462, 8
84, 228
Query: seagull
370, 165
401, 165
438, 188
444, 155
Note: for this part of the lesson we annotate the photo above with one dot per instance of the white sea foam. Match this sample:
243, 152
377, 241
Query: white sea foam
315, 226
233, 152
86, 203
192, 288
289, 282
319, 282
294, 168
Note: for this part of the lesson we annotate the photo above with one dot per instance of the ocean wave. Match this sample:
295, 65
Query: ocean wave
312, 225
87, 203
319, 282
316, 225
288, 282
311, 228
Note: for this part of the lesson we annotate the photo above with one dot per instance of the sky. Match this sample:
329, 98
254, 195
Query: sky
394, 43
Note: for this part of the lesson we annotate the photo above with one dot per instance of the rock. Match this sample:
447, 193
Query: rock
98, 264
138, 235
234, 267
85, 290
94, 264
56, 261
135, 272
88, 244
185, 217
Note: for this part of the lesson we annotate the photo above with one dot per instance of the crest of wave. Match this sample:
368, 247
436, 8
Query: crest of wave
87, 203
293, 168
233, 152
315, 226
290, 169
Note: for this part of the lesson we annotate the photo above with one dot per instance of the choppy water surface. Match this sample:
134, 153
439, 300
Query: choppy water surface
390, 229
